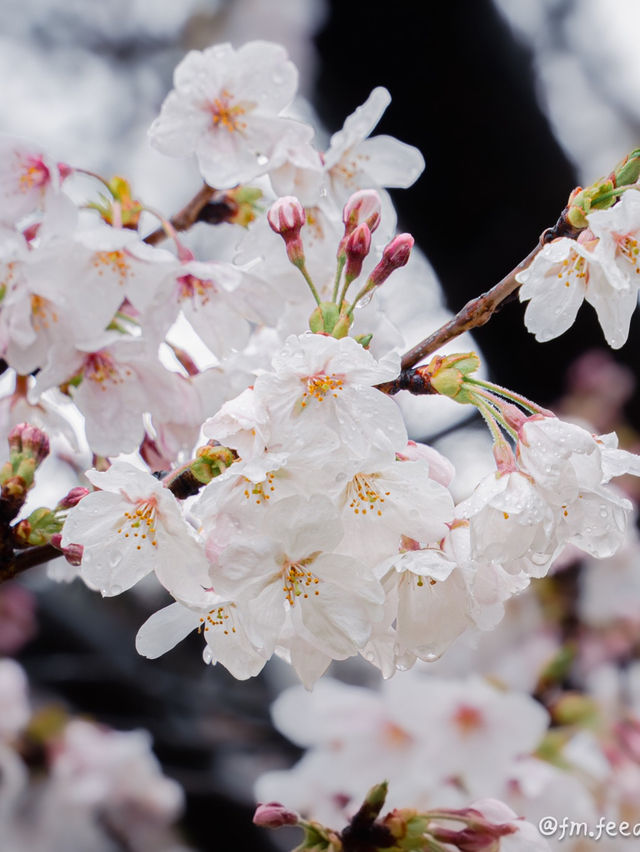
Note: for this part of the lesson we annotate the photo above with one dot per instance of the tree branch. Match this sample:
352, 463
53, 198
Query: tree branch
28, 559
183, 220
478, 311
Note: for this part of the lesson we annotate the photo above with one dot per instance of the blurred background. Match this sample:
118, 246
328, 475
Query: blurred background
512, 105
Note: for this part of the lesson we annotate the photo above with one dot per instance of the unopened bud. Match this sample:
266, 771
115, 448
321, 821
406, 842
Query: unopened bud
72, 552
324, 318
30, 441
274, 815
211, 461
395, 255
73, 497
39, 527
286, 217
363, 207
356, 249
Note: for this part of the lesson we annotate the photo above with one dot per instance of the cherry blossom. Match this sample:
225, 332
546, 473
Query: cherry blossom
28, 178
225, 108
133, 526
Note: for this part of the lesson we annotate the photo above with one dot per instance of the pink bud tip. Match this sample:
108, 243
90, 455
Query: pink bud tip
398, 252
73, 497
363, 206
286, 216
64, 170
395, 255
356, 249
72, 553
274, 815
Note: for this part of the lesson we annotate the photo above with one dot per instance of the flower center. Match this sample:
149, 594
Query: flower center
42, 312
33, 173
573, 268
320, 385
190, 287
297, 579
364, 495
224, 113
259, 491
140, 522
629, 249
100, 367
113, 261
468, 719
219, 617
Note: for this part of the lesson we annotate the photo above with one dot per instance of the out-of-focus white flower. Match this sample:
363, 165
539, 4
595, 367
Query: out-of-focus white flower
15, 710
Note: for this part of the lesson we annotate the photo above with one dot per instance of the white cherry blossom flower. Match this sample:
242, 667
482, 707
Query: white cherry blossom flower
292, 571
320, 382
225, 108
564, 274
133, 526
220, 622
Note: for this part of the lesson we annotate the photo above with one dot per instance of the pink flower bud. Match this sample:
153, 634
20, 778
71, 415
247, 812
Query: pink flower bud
73, 497
286, 217
72, 553
395, 255
274, 815
356, 249
64, 170
28, 439
364, 206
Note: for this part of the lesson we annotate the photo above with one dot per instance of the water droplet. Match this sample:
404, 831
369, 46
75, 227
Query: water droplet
262, 160
116, 590
207, 655
115, 559
603, 512
430, 658
278, 78
323, 192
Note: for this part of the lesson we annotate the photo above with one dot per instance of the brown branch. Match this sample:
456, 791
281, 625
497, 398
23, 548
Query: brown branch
28, 559
479, 311
183, 220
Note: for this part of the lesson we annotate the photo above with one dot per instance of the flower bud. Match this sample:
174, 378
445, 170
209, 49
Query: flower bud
356, 249
30, 441
363, 207
324, 318
286, 217
395, 255
73, 497
72, 553
274, 815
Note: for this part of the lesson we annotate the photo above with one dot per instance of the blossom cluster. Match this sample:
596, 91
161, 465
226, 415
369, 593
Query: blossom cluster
322, 532
444, 742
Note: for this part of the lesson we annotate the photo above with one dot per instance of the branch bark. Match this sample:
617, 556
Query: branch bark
479, 311
183, 220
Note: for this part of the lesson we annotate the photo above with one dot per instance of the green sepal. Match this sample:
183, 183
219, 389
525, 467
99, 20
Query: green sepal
324, 318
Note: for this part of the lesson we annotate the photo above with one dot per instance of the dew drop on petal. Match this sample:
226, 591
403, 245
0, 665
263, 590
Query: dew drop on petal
207, 655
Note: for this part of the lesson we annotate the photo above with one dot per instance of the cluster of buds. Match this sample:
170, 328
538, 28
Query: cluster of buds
28, 448
361, 216
479, 828
604, 192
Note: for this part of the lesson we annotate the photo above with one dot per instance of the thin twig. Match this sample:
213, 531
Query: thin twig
183, 220
479, 310
28, 559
